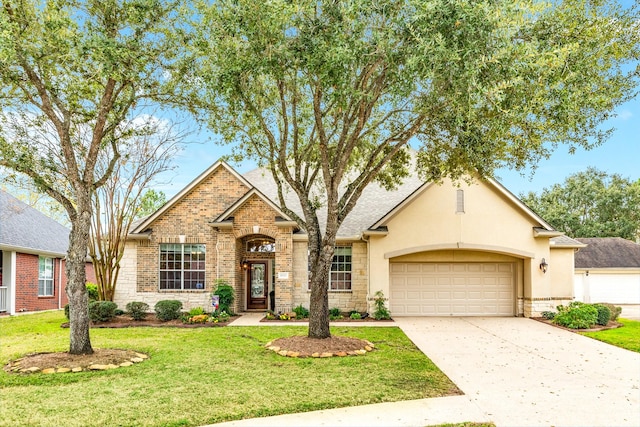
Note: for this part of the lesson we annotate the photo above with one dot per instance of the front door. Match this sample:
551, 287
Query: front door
257, 288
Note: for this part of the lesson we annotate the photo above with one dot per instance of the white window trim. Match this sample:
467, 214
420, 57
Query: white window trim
350, 271
47, 282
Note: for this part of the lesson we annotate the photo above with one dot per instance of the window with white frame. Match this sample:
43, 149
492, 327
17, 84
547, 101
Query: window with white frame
182, 266
45, 276
340, 275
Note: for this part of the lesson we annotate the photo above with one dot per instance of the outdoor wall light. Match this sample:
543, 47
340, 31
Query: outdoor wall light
244, 265
543, 265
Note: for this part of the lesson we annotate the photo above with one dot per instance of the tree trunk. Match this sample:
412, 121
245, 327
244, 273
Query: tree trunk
76, 279
319, 313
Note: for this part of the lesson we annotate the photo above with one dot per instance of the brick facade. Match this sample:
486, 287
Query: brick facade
26, 283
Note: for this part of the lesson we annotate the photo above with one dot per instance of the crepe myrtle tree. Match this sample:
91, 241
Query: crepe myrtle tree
330, 95
71, 74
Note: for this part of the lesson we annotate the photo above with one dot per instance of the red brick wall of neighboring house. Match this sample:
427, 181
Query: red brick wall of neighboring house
27, 298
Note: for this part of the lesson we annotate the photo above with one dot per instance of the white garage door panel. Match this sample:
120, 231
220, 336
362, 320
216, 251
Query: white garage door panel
452, 289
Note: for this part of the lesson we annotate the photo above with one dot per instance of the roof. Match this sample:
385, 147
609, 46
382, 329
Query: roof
565, 242
608, 252
25, 229
376, 204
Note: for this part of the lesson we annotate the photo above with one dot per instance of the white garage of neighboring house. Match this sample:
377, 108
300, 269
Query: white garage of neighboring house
607, 270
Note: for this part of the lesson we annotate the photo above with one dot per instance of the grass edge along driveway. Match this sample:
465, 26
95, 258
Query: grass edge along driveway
204, 376
627, 337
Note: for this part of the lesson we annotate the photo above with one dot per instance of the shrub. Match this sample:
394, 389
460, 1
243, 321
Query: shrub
137, 310
102, 311
355, 315
301, 312
168, 309
576, 315
615, 310
335, 312
549, 315
381, 312
196, 311
66, 312
226, 294
198, 318
604, 314
92, 290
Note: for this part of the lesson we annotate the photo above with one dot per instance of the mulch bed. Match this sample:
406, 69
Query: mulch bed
344, 319
303, 346
63, 362
125, 321
611, 325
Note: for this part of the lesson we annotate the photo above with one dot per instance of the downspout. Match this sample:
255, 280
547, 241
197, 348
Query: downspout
59, 283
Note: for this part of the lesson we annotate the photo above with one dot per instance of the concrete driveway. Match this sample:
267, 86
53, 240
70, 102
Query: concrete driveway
522, 372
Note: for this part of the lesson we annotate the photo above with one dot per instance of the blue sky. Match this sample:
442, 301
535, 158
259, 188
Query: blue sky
620, 154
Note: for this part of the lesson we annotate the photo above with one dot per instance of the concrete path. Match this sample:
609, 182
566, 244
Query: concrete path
513, 371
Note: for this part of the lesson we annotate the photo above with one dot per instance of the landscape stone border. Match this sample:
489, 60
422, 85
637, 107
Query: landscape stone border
294, 354
15, 366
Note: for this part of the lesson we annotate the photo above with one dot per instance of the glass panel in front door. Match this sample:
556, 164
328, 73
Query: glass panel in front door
257, 280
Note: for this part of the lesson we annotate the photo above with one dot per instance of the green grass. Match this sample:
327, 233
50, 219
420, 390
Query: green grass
203, 376
627, 336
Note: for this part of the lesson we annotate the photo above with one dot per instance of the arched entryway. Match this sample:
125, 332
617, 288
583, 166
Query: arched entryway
257, 254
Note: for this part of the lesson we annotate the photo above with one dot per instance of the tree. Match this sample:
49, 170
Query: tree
328, 95
72, 73
150, 202
591, 204
118, 202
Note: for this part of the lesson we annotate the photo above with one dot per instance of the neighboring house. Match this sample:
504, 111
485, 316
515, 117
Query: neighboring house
433, 250
32, 259
608, 270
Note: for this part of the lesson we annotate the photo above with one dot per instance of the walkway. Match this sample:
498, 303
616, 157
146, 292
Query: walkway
514, 371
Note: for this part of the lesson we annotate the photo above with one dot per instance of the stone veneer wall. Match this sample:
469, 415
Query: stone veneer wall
356, 299
534, 307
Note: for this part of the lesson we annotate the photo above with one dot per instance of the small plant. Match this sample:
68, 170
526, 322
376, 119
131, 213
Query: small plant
576, 315
381, 312
66, 311
199, 318
335, 311
226, 294
301, 312
549, 315
604, 314
137, 310
196, 311
355, 315
102, 311
283, 316
92, 291
270, 315
168, 310
224, 316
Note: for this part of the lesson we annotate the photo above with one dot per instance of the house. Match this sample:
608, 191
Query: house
432, 249
608, 270
32, 259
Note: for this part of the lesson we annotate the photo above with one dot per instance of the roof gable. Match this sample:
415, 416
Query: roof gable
241, 201
143, 224
26, 229
608, 252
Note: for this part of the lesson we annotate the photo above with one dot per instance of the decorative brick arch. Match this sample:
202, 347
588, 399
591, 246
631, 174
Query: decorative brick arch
246, 231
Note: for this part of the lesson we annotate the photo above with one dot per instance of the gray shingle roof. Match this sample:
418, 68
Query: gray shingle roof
373, 204
565, 242
608, 252
22, 226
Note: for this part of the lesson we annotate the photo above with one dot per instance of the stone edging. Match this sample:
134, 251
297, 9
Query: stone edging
288, 353
16, 366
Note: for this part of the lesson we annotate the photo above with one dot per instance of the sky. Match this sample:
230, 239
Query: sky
620, 154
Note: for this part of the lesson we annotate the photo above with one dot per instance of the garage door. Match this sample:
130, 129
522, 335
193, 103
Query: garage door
452, 289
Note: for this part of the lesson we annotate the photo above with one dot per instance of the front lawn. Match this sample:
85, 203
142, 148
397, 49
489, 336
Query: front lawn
627, 336
203, 376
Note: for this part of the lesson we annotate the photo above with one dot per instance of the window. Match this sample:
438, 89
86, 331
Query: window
340, 276
182, 267
45, 277
261, 245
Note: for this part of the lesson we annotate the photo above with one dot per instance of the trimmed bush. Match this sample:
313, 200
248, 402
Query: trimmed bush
301, 312
576, 315
604, 314
102, 311
92, 290
335, 312
138, 310
615, 310
168, 309
66, 312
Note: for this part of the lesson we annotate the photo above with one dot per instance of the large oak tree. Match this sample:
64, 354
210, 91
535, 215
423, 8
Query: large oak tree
72, 74
328, 95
